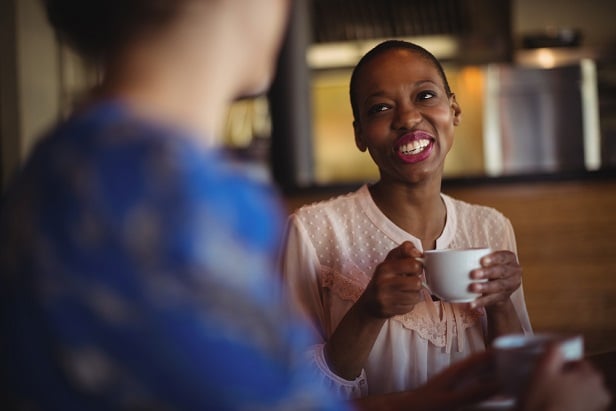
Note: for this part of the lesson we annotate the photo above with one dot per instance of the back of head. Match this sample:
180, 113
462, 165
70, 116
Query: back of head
99, 28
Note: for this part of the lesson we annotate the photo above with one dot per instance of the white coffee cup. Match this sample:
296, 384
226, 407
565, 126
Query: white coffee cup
448, 271
516, 356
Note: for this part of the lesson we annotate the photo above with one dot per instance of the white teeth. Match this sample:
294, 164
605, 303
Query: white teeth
414, 147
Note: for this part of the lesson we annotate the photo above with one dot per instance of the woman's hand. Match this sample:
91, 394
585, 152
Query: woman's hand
557, 386
466, 382
394, 289
463, 383
396, 285
504, 276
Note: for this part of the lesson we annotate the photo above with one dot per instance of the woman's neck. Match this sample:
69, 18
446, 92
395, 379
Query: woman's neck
417, 209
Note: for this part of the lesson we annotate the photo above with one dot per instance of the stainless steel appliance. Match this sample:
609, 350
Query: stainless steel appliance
541, 120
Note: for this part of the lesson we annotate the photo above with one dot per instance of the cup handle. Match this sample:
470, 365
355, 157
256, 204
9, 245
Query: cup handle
423, 282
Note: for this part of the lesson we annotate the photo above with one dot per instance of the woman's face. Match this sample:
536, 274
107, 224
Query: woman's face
405, 120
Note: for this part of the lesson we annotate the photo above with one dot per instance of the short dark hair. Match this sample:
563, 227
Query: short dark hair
386, 46
98, 28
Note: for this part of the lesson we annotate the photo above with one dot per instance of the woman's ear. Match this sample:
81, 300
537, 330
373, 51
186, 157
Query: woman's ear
457, 110
359, 142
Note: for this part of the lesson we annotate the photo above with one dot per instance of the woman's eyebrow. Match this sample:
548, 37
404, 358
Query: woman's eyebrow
383, 93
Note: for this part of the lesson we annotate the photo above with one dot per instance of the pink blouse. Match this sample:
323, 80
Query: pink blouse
332, 250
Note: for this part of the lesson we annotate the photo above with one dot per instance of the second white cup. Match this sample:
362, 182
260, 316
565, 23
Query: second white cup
517, 356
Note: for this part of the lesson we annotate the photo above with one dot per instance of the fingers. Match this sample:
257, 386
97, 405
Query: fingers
500, 257
403, 267
396, 284
467, 381
562, 385
397, 294
503, 275
551, 362
496, 272
493, 292
401, 261
399, 284
505, 286
472, 393
475, 366
404, 250
498, 265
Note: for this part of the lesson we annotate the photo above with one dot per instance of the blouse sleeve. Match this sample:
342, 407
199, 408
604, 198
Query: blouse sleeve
340, 387
517, 297
300, 270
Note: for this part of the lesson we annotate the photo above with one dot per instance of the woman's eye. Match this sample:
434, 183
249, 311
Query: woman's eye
426, 95
377, 108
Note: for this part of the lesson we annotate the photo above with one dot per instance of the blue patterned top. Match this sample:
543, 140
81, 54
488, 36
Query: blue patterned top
138, 271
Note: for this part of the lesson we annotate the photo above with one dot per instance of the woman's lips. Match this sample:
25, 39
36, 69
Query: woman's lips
414, 147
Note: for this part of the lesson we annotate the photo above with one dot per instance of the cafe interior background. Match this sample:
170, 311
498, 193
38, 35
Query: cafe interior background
537, 83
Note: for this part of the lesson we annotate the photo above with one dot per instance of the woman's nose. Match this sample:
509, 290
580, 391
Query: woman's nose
407, 117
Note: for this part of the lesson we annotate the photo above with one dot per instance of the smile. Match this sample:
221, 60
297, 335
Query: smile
414, 147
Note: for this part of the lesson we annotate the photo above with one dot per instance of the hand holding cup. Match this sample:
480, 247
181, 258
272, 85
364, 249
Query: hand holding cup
517, 356
502, 275
396, 284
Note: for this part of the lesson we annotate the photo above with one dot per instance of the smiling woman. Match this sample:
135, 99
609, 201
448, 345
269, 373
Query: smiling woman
351, 264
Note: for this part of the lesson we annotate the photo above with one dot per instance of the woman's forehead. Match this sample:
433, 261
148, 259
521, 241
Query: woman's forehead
406, 63
400, 56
